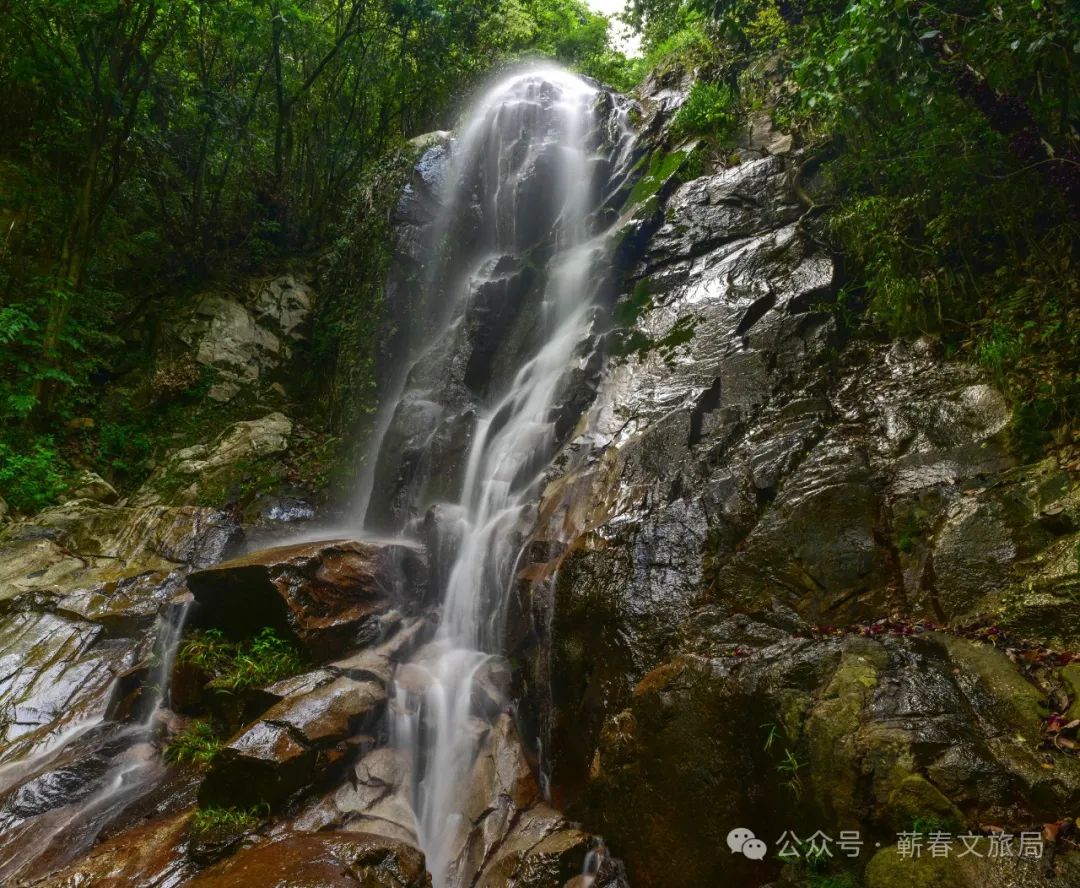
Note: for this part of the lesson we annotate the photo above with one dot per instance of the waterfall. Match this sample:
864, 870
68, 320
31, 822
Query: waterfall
518, 252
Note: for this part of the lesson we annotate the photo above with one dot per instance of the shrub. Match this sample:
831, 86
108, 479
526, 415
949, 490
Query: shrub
709, 110
31, 478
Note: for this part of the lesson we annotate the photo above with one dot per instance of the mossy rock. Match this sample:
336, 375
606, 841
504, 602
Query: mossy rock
915, 799
833, 729
1071, 676
888, 869
1009, 697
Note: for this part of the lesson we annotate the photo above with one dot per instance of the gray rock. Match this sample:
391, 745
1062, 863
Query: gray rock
187, 474
92, 486
244, 336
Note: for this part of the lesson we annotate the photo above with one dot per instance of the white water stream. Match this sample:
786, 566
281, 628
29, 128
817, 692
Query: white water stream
538, 121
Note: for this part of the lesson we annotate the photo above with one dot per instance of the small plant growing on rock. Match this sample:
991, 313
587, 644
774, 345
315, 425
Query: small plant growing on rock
789, 769
709, 110
237, 666
196, 744
214, 823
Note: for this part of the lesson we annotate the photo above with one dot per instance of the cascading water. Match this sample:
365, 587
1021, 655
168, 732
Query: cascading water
520, 247
133, 767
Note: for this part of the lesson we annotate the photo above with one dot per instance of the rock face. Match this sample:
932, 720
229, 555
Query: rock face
784, 575
748, 478
323, 860
208, 471
244, 336
81, 586
328, 594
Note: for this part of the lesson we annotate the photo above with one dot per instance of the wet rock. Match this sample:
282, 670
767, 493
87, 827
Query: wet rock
331, 595
149, 854
984, 867
373, 797
210, 471
840, 733
322, 860
295, 744
491, 688
378, 661
509, 836
264, 763
83, 543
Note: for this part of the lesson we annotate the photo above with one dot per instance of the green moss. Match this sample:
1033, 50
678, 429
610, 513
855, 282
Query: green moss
833, 729
1071, 676
659, 169
1016, 700
888, 869
629, 310
918, 806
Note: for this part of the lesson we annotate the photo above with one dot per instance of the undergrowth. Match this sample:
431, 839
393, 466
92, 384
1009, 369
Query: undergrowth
197, 744
236, 666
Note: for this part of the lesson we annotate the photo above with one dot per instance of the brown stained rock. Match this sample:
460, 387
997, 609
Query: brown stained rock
265, 763
327, 593
149, 854
331, 712
296, 743
322, 860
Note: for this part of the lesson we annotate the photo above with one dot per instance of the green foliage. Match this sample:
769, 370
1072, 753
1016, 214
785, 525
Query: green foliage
211, 824
709, 110
1031, 428
238, 666
947, 227
197, 744
925, 826
789, 767
908, 528
31, 477
348, 326
831, 880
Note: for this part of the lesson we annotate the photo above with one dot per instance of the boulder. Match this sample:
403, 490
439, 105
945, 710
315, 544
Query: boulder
321, 860
245, 455
373, 797
330, 594
92, 486
243, 336
295, 744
